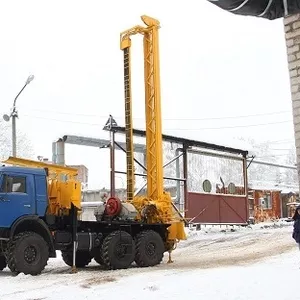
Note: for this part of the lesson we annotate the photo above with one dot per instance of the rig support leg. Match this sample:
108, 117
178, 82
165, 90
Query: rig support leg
74, 269
74, 219
170, 259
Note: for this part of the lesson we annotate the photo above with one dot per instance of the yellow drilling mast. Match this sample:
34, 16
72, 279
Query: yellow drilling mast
157, 205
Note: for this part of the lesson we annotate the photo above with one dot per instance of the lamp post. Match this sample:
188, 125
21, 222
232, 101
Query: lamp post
14, 115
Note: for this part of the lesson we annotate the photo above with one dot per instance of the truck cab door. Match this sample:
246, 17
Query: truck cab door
16, 197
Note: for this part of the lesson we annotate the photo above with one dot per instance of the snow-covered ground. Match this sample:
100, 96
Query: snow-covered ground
214, 263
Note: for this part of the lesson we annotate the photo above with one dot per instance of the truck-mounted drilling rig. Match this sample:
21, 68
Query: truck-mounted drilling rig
40, 203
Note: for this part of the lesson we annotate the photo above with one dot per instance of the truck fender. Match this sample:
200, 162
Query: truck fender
35, 224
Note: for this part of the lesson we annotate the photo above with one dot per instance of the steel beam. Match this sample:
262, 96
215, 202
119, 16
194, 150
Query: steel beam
100, 143
266, 163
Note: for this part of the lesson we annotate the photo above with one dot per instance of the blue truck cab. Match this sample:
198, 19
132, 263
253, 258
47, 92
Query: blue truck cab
23, 192
26, 241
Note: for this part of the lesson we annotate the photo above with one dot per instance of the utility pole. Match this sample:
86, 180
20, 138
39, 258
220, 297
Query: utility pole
14, 116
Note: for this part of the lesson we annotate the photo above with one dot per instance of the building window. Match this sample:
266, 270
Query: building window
14, 184
266, 202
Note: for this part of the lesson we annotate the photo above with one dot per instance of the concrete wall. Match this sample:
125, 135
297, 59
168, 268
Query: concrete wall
292, 35
83, 174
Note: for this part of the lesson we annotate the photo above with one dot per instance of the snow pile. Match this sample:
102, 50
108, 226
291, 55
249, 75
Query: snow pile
192, 231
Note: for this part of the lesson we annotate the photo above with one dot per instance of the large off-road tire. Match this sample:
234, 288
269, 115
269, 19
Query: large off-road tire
149, 249
98, 254
83, 258
118, 250
27, 253
3, 263
98, 258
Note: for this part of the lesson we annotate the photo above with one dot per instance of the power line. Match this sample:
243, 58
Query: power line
231, 127
177, 129
272, 155
64, 121
236, 117
285, 141
167, 119
280, 149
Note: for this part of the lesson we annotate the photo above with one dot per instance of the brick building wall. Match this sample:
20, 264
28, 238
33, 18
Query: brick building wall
292, 36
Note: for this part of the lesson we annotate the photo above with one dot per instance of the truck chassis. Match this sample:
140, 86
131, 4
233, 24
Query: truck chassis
113, 244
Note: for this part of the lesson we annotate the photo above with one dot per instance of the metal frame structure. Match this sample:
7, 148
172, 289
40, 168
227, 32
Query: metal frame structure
183, 151
186, 147
137, 148
58, 154
58, 150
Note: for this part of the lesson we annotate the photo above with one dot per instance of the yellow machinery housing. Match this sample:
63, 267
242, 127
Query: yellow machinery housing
63, 188
157, 205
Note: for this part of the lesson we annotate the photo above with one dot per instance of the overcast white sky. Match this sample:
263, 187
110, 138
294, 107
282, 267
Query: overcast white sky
213, 65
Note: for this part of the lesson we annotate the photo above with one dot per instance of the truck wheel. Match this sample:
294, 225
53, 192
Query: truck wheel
83, 258
98, 255
118, 250
149, 249
98, 258
27, 253
2, 262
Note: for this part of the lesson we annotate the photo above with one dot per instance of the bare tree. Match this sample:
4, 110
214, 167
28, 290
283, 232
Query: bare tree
24, 146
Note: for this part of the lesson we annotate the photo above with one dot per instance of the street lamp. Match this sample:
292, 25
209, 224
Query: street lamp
14, 115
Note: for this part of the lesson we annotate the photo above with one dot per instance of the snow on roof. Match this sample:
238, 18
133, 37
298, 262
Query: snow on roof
273, 186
